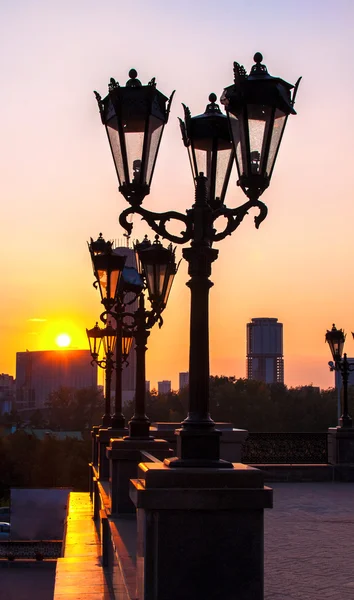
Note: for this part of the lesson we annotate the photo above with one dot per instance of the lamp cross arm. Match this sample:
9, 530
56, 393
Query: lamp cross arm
149, 318
234, 216
157, 222
104, 363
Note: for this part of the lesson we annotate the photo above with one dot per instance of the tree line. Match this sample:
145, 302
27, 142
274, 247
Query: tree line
253, 405
27, 461
247, 404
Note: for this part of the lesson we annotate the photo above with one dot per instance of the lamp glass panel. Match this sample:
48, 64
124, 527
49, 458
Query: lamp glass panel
103, 283
127, 341
278, 126
114, 280
150, 278
224, 156
235, 131
113, 136
203, 156
258, 116
171, 277
97, 344
109, 342
134, 139
338, 346
154, 137
163, 271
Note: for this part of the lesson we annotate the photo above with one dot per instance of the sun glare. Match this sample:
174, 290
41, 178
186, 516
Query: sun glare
63, 340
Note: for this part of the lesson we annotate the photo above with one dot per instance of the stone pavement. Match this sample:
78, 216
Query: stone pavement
309, 542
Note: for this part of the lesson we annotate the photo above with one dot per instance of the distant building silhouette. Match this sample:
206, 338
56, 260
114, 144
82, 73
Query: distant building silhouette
164, 387
147, 386
44, 371
183, 380
7, 393
265, 350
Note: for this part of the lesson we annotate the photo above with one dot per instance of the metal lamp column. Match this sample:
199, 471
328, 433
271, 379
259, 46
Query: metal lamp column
257, 106
335, 338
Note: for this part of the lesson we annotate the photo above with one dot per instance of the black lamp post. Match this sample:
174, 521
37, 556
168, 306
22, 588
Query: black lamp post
123, 347
210, 149
335, 338
109, 337
158, 268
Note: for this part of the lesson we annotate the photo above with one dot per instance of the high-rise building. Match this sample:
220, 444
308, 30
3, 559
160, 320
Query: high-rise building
265, 350
44, 371
183, 380
164, 387
7, 393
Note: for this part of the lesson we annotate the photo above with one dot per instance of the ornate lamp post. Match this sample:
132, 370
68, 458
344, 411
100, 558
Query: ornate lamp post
335, 338
123, 347
109, 337
257, 107
226, 501
158, 268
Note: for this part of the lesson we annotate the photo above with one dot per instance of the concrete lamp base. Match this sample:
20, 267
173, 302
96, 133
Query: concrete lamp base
340, 445
124, 456
103, 438
200, 532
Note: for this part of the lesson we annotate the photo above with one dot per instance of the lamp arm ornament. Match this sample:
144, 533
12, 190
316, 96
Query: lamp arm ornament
104, 363
235, 216
150, 318
157, 222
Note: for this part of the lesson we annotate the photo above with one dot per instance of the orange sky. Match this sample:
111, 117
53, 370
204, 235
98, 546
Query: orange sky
58, 183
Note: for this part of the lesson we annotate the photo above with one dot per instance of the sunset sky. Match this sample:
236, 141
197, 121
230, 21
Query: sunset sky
59, 187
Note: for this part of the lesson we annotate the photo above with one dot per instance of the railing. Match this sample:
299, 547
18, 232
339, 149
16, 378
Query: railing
38, 550
285, 448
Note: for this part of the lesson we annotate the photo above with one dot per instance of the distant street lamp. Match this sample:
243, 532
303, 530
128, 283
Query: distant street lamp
257, 106
109, 337
157, 270
335, 338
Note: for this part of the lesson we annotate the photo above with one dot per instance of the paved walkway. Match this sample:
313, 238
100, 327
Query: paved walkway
309, 542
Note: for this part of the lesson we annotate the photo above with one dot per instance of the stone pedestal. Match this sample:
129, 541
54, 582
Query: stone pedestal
340, 445
231, 439
124, 457
200, 532
103, 438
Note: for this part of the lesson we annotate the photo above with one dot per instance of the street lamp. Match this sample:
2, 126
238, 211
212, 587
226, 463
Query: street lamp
335, 338
107, 268
158, 268
95, 337
257, 106
134, 117
210, 144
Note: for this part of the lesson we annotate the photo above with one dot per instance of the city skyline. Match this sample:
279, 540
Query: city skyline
59, 186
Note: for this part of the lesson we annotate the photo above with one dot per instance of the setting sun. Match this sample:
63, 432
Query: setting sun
63, 340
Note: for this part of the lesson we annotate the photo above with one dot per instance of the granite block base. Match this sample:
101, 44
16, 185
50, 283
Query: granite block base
200, 532
124, 456
340, 446
103, 438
